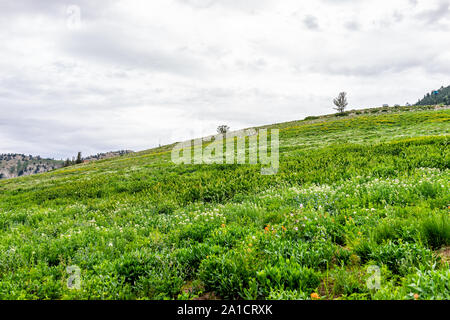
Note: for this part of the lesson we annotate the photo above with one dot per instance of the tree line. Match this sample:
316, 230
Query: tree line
68, 162
441, 96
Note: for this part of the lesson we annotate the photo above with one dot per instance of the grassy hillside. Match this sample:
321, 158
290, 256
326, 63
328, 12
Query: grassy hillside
352, 192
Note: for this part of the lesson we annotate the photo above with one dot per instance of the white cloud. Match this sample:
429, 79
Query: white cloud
137, 73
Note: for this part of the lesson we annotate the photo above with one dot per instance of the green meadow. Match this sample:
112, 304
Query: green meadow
359, 209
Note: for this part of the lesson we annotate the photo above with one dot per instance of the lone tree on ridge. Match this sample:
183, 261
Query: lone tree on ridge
341, 102
223, 129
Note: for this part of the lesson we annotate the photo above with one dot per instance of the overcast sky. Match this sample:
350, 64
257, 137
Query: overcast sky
80, 76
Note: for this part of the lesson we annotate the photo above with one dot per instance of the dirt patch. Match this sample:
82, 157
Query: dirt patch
208, 296
444, 253
190, 287
187, 288
326, 289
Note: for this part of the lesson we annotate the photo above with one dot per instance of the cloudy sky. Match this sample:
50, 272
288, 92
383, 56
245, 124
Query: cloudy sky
134, 74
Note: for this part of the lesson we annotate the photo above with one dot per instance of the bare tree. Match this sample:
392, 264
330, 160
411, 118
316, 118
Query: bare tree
223, 129
341, 102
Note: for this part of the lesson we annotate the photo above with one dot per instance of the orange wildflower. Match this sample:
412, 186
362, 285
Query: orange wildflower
416, 296
315, 296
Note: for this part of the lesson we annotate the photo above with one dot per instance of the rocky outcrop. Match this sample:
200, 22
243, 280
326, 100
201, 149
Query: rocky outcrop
16, 165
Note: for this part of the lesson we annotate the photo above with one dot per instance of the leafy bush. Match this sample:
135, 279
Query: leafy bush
430, 284
229, 274
287, 275
436, 230
399, 257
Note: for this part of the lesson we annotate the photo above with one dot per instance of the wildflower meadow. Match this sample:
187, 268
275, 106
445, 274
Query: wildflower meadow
358, 209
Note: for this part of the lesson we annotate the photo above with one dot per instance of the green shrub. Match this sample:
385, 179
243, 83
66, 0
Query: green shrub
347, 282
429, 284
399, 257
288, 275
228, 274
395, 230
436, 230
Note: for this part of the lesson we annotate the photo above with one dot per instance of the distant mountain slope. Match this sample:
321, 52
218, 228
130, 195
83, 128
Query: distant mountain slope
16, 165
107, 155
441, 96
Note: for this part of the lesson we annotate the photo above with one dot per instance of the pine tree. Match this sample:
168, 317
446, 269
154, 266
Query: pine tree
67, 162
79, 159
